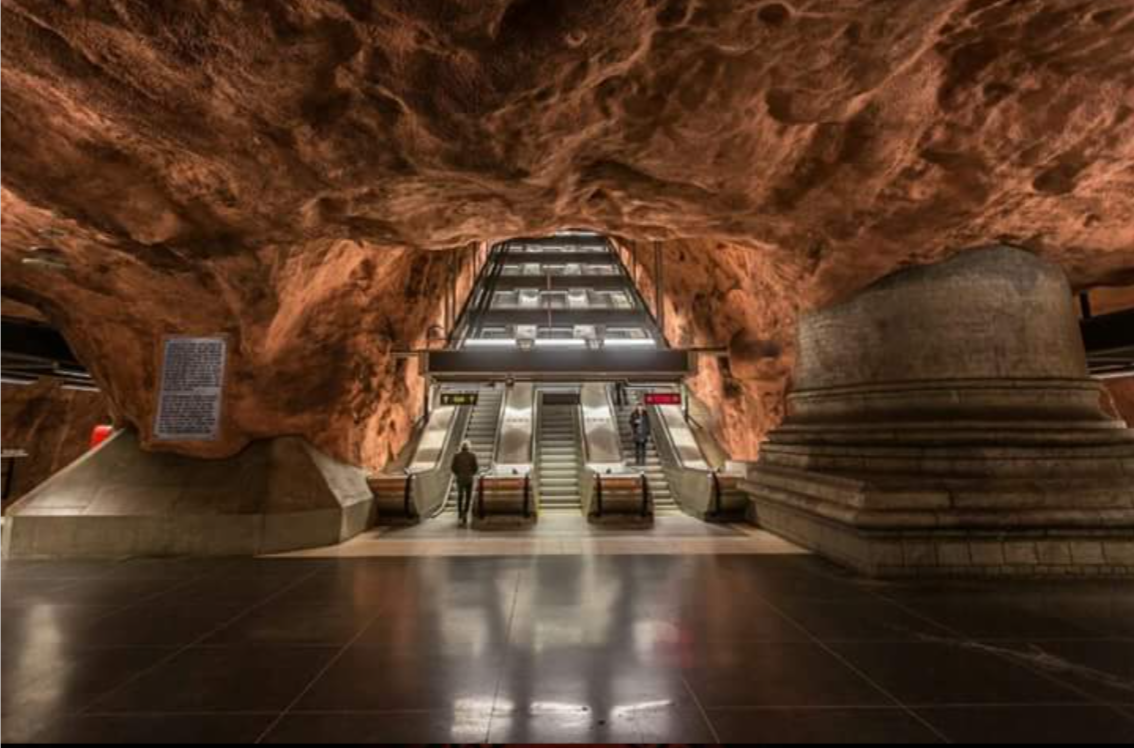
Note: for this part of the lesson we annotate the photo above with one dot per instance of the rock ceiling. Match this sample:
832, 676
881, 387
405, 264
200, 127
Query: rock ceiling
275, 170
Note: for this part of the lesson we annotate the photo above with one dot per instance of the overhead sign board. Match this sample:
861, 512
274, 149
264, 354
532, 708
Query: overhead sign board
662, 398
459, 398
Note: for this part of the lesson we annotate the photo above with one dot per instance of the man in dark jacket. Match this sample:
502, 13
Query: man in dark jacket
464, 469
640, 429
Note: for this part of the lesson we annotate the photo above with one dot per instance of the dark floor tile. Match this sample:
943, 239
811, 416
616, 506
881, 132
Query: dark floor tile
222, 590
260, 568
31, 626
820, 726
748, 674
359, 590
1101, 615
752, 623
680, 723
998, 620
166, 729
157, 568
947, 674
58, 570
160, 625
451, 632
371, 680
387, 727
21, 592
869, 620
50, 681
599, 679
222, 680
1104, 669
274, 623
779, 585
563, 724
116, 591
1078, 725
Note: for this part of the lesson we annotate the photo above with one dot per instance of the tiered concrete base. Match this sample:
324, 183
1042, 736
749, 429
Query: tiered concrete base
118, 501
943, 424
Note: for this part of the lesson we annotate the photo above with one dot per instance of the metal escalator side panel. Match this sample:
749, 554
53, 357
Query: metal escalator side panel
434, 439
601, 439
687, 451
514, 441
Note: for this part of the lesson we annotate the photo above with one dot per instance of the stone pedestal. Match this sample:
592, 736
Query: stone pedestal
118, 501
943, 423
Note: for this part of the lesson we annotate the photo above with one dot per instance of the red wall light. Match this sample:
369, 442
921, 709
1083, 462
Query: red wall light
100, 433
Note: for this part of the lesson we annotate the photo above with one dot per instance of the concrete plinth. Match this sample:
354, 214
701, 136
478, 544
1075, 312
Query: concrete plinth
943, 423
118, 501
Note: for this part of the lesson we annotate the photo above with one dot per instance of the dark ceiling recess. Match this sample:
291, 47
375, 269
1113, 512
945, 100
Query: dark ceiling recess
1109, 340
32, 350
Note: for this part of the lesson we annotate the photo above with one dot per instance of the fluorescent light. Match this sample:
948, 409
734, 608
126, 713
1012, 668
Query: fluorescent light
81, 387
490, 343
561, 343
630, 343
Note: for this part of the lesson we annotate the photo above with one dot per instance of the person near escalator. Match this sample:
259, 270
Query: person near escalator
464, 469
640, 430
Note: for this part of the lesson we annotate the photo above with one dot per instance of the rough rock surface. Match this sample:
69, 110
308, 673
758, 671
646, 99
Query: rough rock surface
270, 170
51, 424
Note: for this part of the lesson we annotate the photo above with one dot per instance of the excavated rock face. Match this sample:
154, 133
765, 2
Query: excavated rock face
52, 425
270, 170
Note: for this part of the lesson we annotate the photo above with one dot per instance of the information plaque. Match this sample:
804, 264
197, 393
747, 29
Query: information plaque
192, 386
663, 398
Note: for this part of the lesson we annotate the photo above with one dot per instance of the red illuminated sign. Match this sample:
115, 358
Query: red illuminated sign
100, 433
663, 398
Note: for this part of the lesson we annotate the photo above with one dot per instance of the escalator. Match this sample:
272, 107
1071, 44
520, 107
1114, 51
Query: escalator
481, 432
655, 473
559, 457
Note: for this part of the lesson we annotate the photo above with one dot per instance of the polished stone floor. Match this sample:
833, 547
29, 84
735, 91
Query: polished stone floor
604, 648
558, 533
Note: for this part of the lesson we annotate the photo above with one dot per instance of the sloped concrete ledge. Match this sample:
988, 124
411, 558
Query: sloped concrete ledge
118, 501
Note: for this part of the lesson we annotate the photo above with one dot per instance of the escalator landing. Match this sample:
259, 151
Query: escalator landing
562, 533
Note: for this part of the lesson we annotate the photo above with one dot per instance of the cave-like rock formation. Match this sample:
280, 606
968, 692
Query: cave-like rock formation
52, 425
274, 171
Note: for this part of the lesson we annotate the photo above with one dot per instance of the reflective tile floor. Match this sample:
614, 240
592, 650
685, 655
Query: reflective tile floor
556, 648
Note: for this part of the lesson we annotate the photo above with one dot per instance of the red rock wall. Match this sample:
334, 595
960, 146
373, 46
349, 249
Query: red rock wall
51, 424
312, 334
266, 169
1119, 398
744, 301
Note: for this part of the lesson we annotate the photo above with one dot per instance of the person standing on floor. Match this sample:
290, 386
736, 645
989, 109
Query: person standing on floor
464, 469
640, 429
